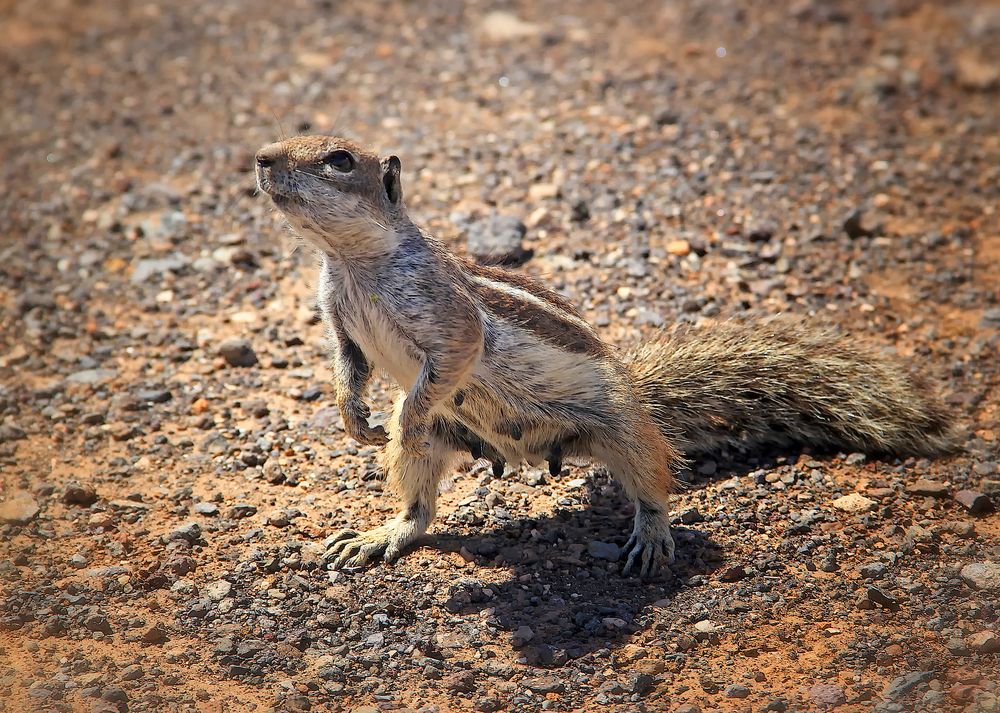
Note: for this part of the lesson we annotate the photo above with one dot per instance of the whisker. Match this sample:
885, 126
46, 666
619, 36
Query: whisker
281, 130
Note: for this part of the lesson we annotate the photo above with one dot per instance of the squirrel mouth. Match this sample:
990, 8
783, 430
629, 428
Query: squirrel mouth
280, 198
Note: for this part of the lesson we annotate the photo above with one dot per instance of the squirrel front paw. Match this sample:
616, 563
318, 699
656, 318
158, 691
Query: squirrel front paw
355, 414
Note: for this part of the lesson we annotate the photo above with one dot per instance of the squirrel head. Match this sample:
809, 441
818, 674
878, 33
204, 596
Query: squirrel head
338, 196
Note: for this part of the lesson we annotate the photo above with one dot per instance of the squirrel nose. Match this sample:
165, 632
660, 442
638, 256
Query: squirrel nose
269, 155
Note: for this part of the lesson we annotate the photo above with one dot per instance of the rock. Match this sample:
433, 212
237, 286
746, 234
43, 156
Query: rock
853, 226
985, 642
976, 73
19, 509
854, 503
641, 683
878, 596
827, 695
872, 570
736, 690
155, 396
690, 516
960, 528
241, 510
523, 635
92, 376
149, 267
604, 550
679, 247
977, 503
984, 576
76, 494
733, 574
206, 508
688, 708
902, 685
544, 684
238, 352
97, 622
218, 590
10, 432
106, 572
277, 518
189, 532
990, 486
497, 240
460, 682
705, 628
499, 26
932, 488
156, 634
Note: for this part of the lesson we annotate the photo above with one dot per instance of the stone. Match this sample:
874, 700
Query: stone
679, 247
523, 635
155, 396
932, 488
189, 532
206, 508
147, 268
641, 683
873, 570
604, 550
878, 596
974, 72
19, 509
499, 26
460, 682
854, 503
10, 432
902, 685
984, 576
828, 695
156, 634
218, 590
736, 690
974, 501
76, 494
984, 642
544, 684
854, 227
497, 239
733, 574
241, 510
92, 376
238, 352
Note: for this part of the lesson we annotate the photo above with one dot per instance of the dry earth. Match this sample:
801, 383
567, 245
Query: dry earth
164, 510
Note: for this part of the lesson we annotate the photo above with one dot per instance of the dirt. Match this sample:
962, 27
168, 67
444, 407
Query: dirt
685, 162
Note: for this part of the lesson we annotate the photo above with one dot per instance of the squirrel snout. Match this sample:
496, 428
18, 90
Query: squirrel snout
269, 155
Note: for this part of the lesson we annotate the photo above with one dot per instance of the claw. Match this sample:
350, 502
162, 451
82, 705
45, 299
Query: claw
645, 558
350, 549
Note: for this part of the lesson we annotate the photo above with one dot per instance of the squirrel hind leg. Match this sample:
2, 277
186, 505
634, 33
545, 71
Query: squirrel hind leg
644, 466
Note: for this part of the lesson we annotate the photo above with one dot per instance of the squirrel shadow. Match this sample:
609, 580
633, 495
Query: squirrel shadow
566, 596
562, 601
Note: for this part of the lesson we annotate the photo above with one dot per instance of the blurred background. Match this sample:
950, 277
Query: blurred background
658, 162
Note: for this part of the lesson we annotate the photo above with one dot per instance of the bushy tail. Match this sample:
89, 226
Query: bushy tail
784, 383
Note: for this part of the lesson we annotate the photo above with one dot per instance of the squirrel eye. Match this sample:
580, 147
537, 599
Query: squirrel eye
340, 160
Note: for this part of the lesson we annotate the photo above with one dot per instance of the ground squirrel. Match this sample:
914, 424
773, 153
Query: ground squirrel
493, 362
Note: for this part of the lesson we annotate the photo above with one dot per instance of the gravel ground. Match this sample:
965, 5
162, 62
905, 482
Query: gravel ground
170, 458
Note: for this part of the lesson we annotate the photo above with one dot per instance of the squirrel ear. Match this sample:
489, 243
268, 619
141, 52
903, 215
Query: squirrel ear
390, 179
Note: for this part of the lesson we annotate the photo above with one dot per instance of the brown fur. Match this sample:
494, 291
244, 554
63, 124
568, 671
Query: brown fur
782, 382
